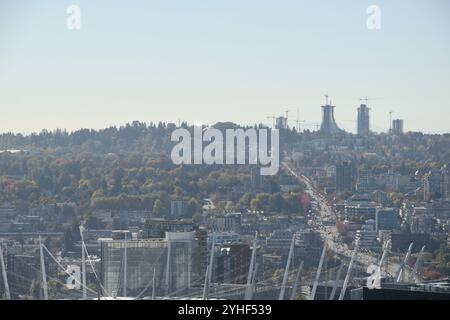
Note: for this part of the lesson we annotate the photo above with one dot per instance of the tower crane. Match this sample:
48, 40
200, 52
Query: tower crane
366, 99
273, 119
297, 122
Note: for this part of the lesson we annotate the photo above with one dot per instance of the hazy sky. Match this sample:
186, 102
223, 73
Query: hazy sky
222, 60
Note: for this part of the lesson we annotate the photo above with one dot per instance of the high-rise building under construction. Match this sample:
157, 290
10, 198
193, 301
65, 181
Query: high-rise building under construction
397, 126
363, 120
329, 126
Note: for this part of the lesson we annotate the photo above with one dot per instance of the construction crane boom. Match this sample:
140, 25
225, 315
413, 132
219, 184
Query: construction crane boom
366, 99
297, 121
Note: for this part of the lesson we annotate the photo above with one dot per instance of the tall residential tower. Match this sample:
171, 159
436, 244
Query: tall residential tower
363, 120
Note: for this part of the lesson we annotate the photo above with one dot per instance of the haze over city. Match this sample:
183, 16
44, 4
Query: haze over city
222, 61
245, 155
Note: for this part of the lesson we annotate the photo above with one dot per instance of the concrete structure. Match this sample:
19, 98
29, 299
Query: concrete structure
363, 121
281, 123
329, 126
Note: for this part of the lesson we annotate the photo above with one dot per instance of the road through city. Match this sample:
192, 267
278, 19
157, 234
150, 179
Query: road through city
324, 222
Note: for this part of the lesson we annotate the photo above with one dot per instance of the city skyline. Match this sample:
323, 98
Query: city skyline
289, 123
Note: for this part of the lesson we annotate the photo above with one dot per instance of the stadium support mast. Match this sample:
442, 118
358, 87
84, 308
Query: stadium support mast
125, 269
206, 285
349, 271
380, 265
209, 268
319, 270
168, 264
383, 257
338, 277
297, 281
44, 275
286, 270
249, 290
5, 277
83, 263
153, 284
417, 265
253, 285
401, 269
